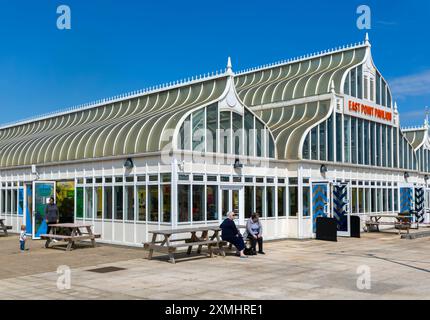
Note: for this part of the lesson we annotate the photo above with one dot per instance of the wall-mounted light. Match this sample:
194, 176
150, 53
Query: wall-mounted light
323, 169
237, 164
426, 178
406, 175
181, 166
128, 164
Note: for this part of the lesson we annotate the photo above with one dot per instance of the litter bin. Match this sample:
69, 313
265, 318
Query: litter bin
326, 229
355, 226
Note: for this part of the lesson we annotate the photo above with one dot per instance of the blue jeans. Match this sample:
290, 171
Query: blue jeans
22, 245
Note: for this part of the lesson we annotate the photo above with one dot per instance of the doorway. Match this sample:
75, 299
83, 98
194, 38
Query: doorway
232, 199
42, 192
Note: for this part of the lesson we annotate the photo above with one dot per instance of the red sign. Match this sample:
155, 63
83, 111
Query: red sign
369, 111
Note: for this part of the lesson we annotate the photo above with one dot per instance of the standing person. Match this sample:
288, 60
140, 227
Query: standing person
51, 214
22, 238
254, 232
231, 234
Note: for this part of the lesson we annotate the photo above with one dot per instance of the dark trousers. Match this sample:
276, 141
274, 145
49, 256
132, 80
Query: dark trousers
254, 243
22, 245
236, 241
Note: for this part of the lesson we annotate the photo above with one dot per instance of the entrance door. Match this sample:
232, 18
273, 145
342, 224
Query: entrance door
340, 208
43, 191
320, 202
28, 208
232, 200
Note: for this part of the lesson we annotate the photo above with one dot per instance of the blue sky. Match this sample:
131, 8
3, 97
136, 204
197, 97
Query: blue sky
121, 46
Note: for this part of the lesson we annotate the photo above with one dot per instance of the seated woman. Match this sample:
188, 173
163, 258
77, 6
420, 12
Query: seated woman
254, 232
231, 234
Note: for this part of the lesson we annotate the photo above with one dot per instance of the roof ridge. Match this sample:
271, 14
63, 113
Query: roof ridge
303, 58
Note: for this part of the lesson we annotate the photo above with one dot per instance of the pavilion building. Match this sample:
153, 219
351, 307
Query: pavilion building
315, 136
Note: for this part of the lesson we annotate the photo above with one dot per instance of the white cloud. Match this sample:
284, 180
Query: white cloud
413, 85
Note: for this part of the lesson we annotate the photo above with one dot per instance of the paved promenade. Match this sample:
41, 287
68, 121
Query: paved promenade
399, 269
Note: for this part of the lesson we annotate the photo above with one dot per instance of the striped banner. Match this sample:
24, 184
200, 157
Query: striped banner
319, 202
419, 204
340, 201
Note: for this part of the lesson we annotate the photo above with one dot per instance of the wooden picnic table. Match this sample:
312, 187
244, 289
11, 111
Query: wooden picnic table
4, 227
169, 245
401, 222
74, 234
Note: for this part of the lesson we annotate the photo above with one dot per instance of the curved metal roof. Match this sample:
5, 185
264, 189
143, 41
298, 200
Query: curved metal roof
417, 137
304, 78
131, 126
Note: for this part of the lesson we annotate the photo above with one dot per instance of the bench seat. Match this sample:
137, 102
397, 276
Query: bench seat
69, 238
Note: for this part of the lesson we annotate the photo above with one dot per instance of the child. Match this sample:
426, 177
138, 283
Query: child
22, 238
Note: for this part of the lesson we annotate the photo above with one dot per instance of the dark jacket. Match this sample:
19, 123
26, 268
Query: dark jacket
51, 213
229, 229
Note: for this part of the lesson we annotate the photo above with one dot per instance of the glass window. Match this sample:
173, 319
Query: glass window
366, 142
212, 126
225, 203
79, 202
282, 201
389, 144
141, 198
330, 138
129, 204
339, 144
198, 130
212, 203
360, 201
354, 200
305, 152
270, 201
323, 142
306, 201
378, 89
184, 203
259, 200
184, 135
237, 134
249, 201
225, 131
354, 82
384, 145
108, 202
347, 139
259, 128
249, 133
372, 144
360, 152
314, 144
293, 200
354, 140
360, 82
118, 206
89, 203
99, 202
378, 144
153, 203
198, 203
166, 203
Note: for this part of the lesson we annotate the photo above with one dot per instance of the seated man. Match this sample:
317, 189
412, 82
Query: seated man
231, 234
254, 232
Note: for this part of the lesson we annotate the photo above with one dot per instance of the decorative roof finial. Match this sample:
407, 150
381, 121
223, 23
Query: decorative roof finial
366, 40
332, 87
426, 121
229, 70
396, 110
